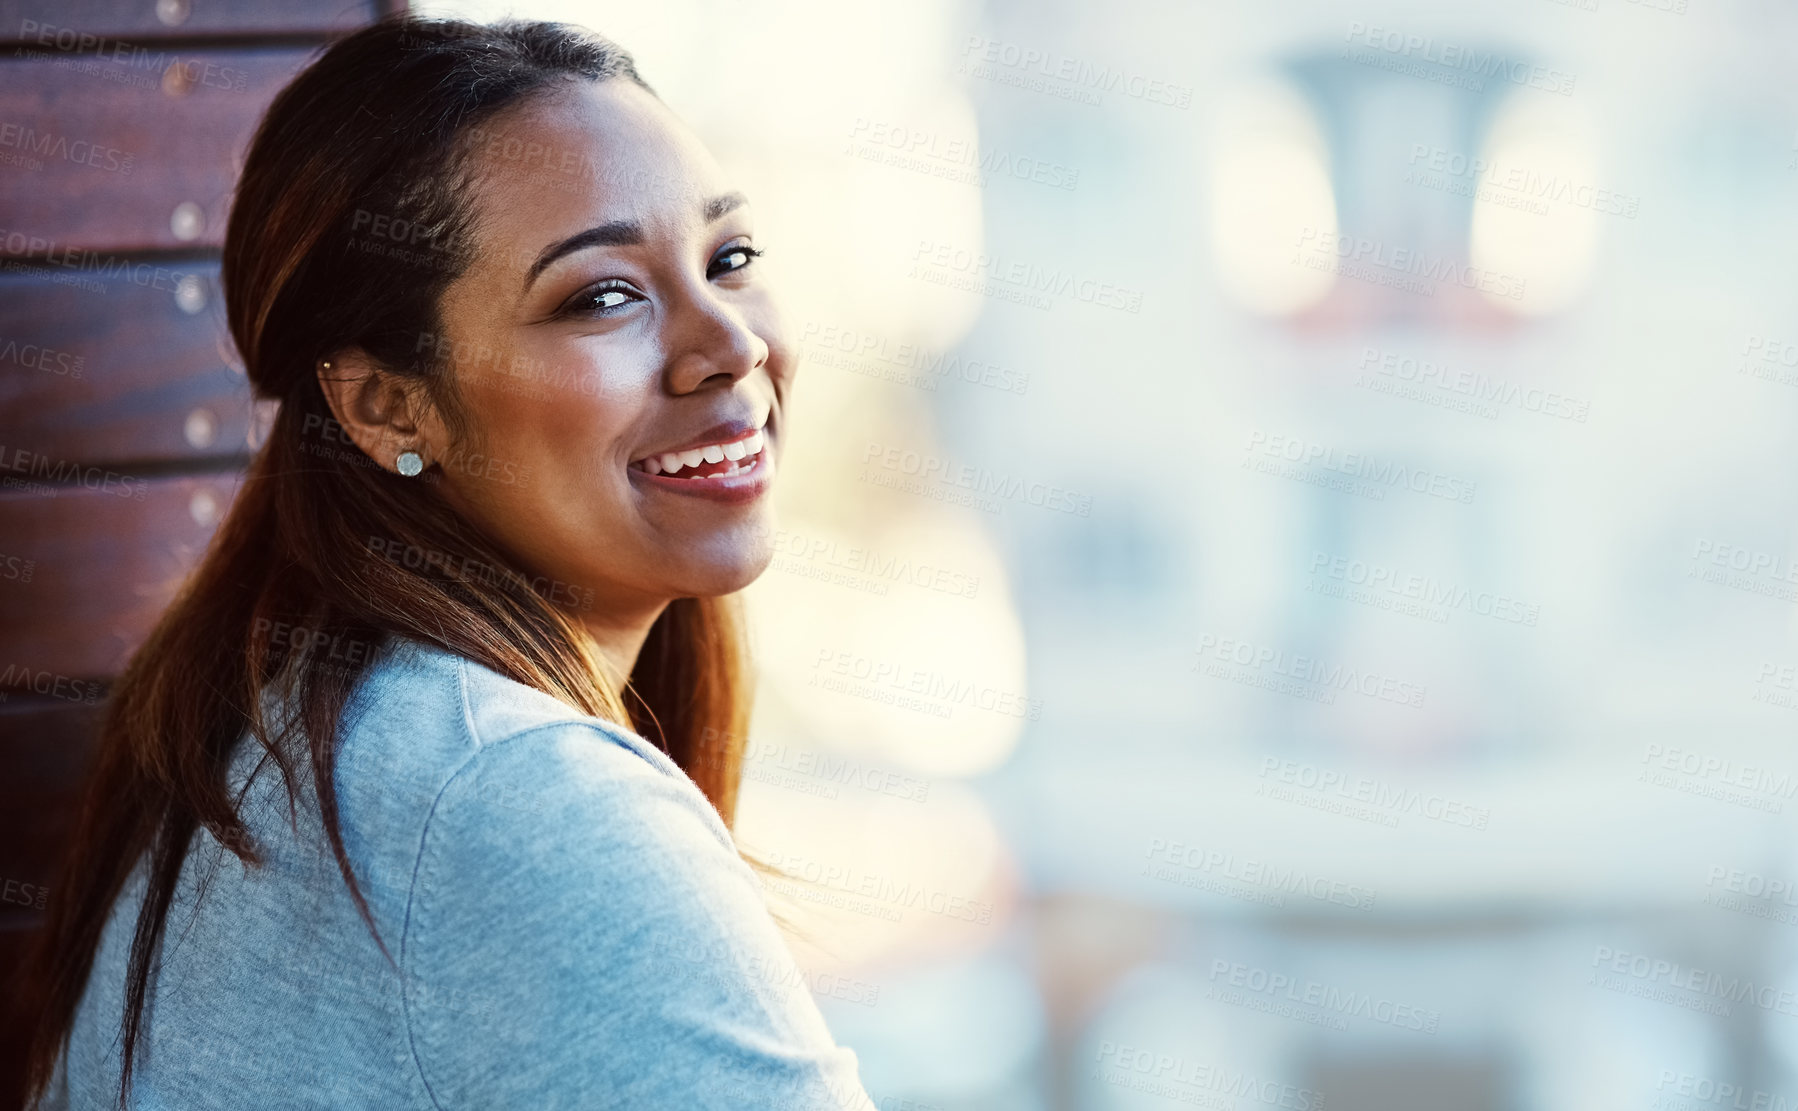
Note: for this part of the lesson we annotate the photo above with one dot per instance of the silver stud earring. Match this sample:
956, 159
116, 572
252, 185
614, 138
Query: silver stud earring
409, 463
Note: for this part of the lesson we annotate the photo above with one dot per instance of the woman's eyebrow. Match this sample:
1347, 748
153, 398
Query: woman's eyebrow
618, 233
622, 233
723, 203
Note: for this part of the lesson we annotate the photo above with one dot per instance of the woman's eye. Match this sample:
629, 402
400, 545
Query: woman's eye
733, 258
602, 301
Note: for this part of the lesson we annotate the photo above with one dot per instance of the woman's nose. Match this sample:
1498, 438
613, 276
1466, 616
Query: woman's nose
710, 338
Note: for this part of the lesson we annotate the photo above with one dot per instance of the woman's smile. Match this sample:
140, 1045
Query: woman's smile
730, 462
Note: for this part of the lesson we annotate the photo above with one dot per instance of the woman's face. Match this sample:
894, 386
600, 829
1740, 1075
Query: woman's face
619, 360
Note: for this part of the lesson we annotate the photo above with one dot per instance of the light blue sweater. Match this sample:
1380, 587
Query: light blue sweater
571, 923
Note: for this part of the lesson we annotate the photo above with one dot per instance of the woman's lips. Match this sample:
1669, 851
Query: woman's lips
714, 474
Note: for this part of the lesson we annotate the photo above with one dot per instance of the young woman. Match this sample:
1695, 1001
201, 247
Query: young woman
420, 794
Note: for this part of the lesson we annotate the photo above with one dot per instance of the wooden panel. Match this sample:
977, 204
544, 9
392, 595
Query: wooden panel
48, 745
122, 127
85, 572
101, 158
141, 374
28, 20
14, 1031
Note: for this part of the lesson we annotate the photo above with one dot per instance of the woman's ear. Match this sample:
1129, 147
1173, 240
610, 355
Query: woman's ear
381, 413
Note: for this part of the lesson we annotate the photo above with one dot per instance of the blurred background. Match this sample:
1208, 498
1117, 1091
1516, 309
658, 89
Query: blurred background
1287, 591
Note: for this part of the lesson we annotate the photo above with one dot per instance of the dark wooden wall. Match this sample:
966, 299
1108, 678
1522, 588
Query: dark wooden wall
124, 417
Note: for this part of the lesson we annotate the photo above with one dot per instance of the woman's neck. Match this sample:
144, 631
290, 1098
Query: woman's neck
617, 639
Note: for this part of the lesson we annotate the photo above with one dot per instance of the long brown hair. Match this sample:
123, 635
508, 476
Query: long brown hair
380, 125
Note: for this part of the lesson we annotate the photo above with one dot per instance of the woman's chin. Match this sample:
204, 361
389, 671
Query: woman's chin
716, 578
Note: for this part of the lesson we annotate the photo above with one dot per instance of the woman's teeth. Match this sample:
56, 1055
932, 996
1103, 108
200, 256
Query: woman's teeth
712, 461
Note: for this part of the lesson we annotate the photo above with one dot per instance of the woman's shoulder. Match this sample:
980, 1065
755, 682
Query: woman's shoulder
577, 906
421, 708
437, 751
569, 903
